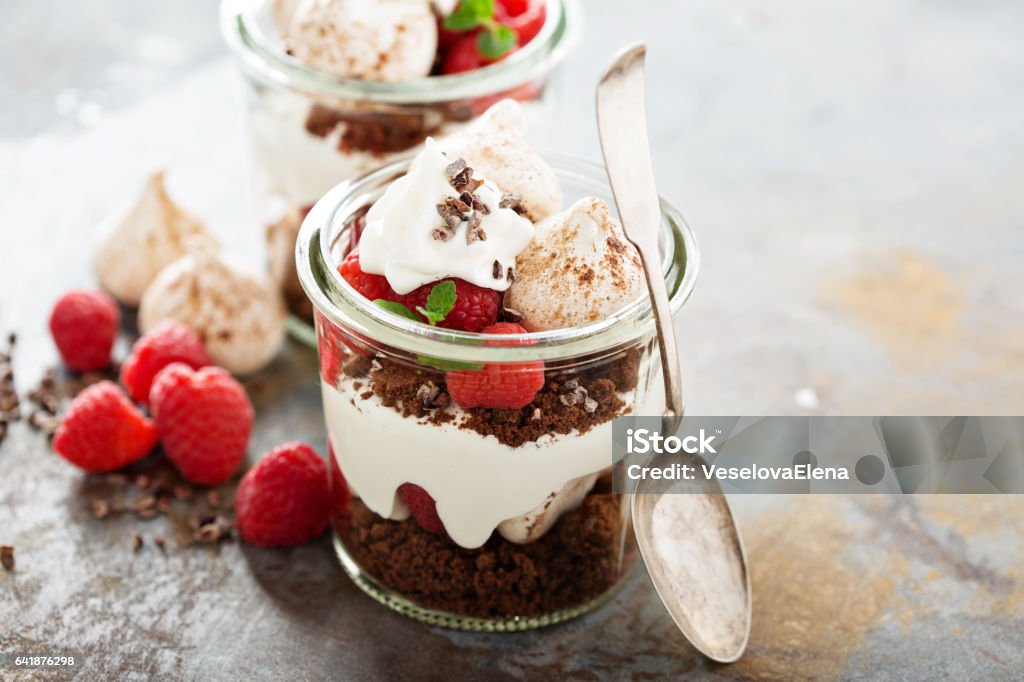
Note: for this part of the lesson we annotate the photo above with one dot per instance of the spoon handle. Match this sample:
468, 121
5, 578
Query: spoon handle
622, 127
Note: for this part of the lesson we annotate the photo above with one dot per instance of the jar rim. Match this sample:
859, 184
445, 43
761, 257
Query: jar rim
262, 56
334, 298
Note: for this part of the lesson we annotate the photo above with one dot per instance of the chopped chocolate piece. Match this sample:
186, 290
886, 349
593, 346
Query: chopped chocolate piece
536, 414
568, 399
43, 422
442, 234
160, 542
570, 385
213, 531
474, 232
213, 498
357, 365
427, 394
510, 276
589, 404
513, 201
496, 270
441, 401
100, 509
137, 542
512, 315
144, 503
375, 366
455, 169
7, 557
473, 202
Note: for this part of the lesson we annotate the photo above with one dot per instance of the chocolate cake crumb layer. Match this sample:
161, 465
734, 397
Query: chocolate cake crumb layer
575, 562
376, 132
567, 402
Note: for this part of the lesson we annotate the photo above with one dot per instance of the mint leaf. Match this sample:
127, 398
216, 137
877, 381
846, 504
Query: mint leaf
496, 41
469, 14
441, 299
397, 309
448, 365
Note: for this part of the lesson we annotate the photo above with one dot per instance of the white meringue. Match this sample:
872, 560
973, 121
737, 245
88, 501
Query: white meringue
578, 269
240, 317
378, 40
137, 242
495, 147
535, 523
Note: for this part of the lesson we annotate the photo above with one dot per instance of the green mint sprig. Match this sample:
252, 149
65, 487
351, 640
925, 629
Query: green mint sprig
440, 302
494, 40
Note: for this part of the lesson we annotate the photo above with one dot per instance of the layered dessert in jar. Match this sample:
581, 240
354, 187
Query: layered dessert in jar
481, 320
338, 88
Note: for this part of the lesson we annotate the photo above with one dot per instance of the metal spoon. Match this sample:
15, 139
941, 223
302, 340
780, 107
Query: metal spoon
689, 541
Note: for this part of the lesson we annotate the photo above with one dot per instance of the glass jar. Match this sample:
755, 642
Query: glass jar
532, 533
311, 129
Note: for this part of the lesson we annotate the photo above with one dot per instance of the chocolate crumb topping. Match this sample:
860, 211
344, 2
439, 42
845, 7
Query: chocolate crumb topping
137, 542
513, 201
7, 557
497, 270
475, 232
512, 315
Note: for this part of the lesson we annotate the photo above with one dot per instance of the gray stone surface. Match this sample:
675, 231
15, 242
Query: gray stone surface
853, 174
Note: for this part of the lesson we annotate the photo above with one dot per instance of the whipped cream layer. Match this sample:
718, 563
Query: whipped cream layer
401, 239
478, 483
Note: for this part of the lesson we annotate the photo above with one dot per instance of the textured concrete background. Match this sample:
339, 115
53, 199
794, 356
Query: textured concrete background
853, 173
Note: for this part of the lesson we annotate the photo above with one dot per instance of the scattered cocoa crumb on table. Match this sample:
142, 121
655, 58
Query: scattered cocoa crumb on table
7, 557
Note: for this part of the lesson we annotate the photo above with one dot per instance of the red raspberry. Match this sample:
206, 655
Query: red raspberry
370, 286
475, 307
170, 342
285, 499
103, 431
422, 507
462, 55
525, 18
505, 385
340, 494
84, 327
204, 418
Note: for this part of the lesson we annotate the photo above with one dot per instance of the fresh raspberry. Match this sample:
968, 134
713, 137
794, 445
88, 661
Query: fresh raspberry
512, 8
103, 431
462, 55
170, 342
525, 18
84, 326
370, 286
285, 499
504, 385
340, 494
475, 307
204, 418
422, 507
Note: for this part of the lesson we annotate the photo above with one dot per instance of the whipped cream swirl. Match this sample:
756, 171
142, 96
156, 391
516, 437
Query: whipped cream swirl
425, 228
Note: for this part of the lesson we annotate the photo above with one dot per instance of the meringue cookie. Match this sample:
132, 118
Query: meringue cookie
136, 243
378, 40
578, 269
239, 317
494, 146
536, 522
